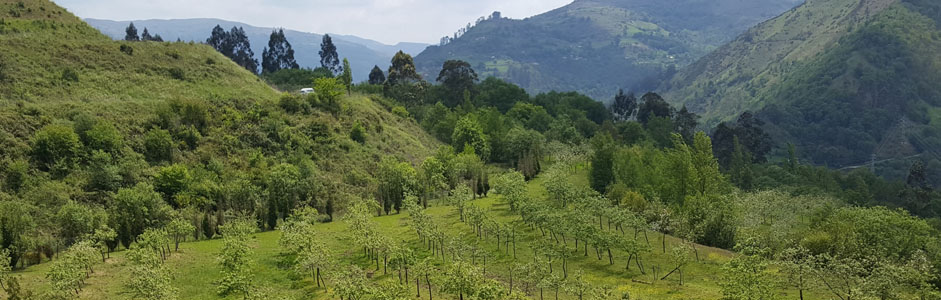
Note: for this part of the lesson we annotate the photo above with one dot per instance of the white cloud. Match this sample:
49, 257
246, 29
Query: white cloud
388, 21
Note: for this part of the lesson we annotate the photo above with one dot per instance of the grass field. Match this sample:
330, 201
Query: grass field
195, 268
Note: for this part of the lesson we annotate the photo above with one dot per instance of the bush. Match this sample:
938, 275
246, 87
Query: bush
127, 49
56, 145
70, 75
290, 103
358, 133
400, 111
177, 73
170, 181
158, 145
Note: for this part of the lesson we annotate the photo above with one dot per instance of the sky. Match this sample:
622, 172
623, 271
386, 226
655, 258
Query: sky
386, 21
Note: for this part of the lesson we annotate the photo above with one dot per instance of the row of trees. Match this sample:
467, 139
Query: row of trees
132, 36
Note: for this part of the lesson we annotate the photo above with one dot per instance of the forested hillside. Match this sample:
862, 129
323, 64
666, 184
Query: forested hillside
597, 46
848, 82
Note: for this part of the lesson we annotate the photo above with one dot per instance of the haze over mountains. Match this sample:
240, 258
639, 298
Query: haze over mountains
597, 46
362, 53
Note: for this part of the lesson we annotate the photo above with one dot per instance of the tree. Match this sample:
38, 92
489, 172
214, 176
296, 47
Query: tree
376, 76
234, 258
652, 105
579, 285
602, 162
131, 33
746, 277
16, 222
278, 55
468, 133
158, 145
328, 56
347, 76
56, 147
457, 76
797, 264
242, 53
402, 70
146, 36
235, 45
624, 106
149, 278
171, 181
134, 209
329, 91
358, 133
686, 122
178, 230
5, 267
397, 180
740, 168
460, 278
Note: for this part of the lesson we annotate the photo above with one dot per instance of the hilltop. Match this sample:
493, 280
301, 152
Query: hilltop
362, 53
847, 81
598, 46
55, 70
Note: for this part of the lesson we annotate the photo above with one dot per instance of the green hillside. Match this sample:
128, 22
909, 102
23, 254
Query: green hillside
597, 46
844, 80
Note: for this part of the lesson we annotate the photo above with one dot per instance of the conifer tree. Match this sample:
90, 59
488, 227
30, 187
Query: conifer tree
376, 76
146, 36
131, 33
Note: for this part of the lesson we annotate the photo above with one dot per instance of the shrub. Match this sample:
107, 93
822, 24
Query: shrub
290, 103
177, 73
127, 49
400, 111
69, 75
358, 133
158, 145
56, 145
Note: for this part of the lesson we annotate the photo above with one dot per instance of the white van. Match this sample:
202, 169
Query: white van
305, 91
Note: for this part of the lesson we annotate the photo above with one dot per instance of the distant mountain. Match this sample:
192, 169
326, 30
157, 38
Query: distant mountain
597, 46
362, 53
850, 82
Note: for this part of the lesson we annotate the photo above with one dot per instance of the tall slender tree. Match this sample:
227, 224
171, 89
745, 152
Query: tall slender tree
241, 49
279, 54
402, 70
624, 106
329, 58
347, 76
145, 36
131, 33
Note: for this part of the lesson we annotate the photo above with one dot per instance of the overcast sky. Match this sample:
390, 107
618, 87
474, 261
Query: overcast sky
387, 21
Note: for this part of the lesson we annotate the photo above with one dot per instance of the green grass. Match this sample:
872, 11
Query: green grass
195, 269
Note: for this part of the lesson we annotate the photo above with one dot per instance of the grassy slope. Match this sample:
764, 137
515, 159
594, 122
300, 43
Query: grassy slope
40, 41
195, 268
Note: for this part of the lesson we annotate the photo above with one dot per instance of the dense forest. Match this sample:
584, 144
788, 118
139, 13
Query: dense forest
165, 170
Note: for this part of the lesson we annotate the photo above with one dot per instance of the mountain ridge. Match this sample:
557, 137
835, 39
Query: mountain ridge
598, 46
